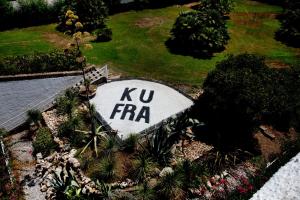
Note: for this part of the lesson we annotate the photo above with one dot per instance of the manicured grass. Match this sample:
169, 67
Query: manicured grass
140, 51
138, 47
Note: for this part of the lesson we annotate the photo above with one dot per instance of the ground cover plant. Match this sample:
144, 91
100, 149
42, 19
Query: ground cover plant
39, 62
138, 33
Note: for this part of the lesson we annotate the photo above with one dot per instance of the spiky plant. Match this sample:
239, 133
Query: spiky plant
106, 192
145, 192
34, 116
67, 103
142, 167
170, 187
107, 168
109, 146
130, 143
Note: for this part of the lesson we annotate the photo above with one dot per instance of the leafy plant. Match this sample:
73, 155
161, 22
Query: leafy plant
91, 13
44, 142
222, 6
103, 34
39, 62
289, 31
199, 33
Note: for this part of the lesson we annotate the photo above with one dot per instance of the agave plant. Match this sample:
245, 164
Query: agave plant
94, 138
62, 180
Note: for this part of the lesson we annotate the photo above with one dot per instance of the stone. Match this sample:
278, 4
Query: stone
43, 188
165, 171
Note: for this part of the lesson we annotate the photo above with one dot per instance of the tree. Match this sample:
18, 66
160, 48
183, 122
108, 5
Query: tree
91, 13
289, 31
222, 6
242, 93
199, 33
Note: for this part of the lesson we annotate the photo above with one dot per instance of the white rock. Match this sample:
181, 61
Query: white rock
165, 171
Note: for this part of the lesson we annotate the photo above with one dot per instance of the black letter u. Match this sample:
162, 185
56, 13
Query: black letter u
150, 97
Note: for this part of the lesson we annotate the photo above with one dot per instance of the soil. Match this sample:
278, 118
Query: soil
56, 39
148, 22
272, 147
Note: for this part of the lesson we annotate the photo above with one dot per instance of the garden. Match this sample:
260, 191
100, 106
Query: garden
238, 60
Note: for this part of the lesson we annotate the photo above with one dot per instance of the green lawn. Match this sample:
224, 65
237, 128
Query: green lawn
24, 41
138, 45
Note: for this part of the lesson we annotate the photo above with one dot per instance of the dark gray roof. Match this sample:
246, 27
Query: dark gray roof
16, 97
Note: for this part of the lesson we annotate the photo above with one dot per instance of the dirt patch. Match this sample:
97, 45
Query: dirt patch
192, 5
251, 20
148, 22
277, 64
272, 147
58, 40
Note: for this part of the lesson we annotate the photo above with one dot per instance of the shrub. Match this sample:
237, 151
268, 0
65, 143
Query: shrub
103, 34
44, 142
289, 31
199, 32
130, 143
222, 6
39, 62
92, 14
236, 99
30, 13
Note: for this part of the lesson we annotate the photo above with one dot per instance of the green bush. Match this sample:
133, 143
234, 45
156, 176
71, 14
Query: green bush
103, 34
44, 142
39, 62
92, 14
289, 31
29, 13
242, 93
199, 32
222, 6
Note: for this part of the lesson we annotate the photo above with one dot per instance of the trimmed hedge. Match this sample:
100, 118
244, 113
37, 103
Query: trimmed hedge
39, 62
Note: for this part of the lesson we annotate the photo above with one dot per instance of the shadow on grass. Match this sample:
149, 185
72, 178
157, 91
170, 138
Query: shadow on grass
177, 49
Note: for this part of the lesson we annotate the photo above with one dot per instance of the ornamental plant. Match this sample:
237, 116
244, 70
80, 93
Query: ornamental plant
199, 32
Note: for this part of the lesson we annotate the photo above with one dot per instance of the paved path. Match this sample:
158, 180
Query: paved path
24, 164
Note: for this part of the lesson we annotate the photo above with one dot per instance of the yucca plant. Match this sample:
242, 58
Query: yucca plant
109, 146
130, 143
